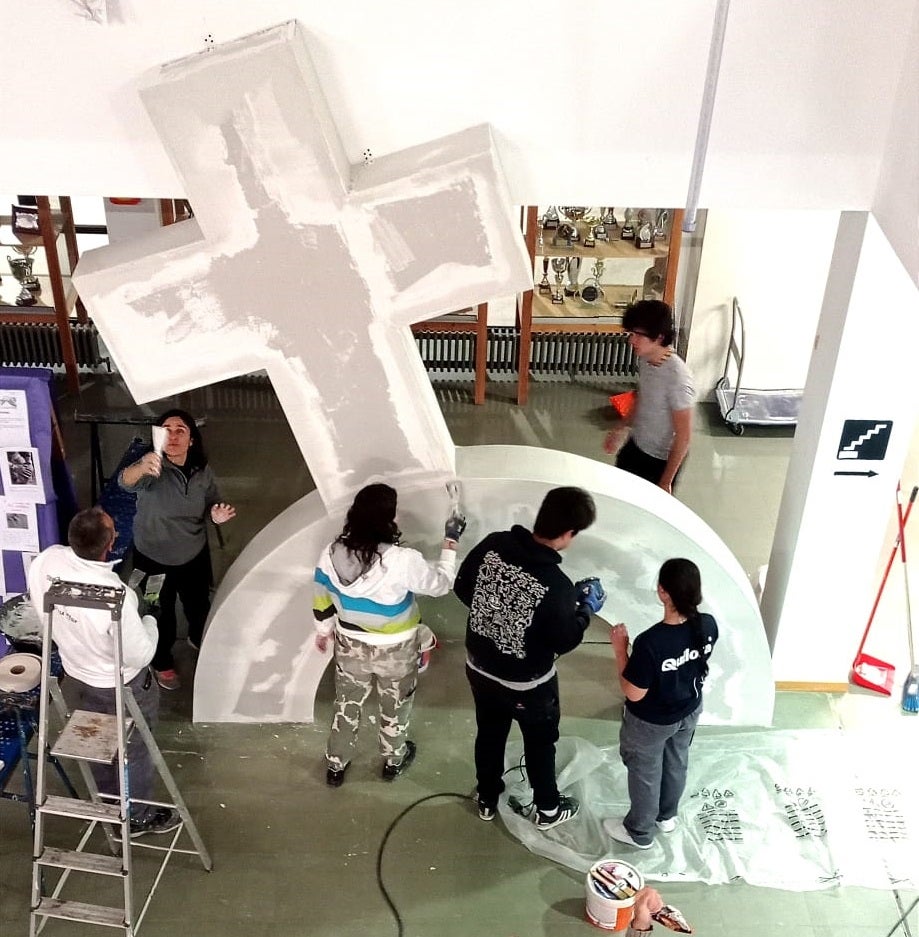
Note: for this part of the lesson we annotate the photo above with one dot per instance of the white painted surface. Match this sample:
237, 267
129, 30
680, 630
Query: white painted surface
258, 662
896, 201
598, 101
299, 263
776, 263
830, 531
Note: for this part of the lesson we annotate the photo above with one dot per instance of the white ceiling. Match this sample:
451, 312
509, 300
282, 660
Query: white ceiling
590, 101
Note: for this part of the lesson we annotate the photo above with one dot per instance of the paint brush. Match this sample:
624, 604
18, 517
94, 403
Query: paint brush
619, 886
453, 495
159, 439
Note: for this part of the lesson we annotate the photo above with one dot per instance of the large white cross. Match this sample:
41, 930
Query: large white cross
302, 264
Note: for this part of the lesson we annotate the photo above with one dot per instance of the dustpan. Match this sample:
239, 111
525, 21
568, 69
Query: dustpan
872, 673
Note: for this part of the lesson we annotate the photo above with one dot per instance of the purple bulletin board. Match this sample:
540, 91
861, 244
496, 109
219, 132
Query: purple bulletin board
37, 384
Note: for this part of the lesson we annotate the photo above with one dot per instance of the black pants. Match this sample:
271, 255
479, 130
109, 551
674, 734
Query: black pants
141, 771
190, 582
537, 713
637, 462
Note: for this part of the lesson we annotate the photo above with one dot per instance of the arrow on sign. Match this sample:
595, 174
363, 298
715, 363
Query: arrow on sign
865, 474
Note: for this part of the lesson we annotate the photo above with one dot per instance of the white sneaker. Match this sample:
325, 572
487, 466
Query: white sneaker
618, 832
667, 826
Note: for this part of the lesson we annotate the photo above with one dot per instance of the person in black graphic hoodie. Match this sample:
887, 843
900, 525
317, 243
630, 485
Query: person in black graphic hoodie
523, 612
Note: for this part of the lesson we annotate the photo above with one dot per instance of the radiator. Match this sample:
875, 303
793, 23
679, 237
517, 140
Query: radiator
32, 344
558, 355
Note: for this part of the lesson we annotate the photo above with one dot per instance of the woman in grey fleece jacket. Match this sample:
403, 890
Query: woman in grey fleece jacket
175, 495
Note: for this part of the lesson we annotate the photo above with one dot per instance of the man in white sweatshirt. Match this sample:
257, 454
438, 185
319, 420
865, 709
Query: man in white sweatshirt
86, 643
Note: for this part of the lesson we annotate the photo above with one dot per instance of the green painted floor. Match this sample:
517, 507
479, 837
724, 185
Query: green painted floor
294, 857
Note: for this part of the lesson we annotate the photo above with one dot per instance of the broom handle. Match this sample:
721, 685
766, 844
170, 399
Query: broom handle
909, 611
893, 556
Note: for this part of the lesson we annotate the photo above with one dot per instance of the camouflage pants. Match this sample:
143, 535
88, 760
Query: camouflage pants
358, 666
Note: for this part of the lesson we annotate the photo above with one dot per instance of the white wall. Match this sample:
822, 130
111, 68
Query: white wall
593, 101
896, 202
831, 528
776, 263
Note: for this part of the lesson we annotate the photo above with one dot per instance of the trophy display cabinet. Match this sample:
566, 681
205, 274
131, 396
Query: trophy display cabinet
38, 252
589, 263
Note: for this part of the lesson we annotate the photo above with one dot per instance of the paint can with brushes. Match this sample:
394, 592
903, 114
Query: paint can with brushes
611, 888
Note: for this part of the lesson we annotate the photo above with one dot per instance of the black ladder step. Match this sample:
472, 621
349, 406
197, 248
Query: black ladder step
81, 809
80, 861
80, 911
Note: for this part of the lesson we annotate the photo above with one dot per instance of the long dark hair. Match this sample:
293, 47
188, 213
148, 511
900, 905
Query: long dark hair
681, 580
197, 457
371, 520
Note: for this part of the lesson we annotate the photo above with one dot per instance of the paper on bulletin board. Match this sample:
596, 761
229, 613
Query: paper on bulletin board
14, 418
20, 472
19, 525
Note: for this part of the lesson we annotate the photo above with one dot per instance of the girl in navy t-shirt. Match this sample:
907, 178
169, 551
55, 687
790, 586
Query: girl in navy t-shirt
662, 681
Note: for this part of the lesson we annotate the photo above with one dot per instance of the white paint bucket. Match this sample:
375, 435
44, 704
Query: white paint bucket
427, 641
611, 887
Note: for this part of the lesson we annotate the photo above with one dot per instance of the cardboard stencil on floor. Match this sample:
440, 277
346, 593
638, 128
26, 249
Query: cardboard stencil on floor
798, 810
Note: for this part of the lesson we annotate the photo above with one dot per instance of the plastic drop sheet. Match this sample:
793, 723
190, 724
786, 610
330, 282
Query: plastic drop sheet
797, 810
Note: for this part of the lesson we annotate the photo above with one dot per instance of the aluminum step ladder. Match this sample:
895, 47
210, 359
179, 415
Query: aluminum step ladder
90, 737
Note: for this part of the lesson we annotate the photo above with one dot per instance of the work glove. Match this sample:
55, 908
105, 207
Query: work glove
453, 529
590, 594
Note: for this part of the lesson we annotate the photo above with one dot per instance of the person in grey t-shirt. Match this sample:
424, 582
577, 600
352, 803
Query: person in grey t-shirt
661, 422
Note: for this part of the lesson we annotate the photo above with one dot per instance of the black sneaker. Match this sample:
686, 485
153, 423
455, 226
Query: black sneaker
335, 777
486, 811
156, 820
391, 772
568, 807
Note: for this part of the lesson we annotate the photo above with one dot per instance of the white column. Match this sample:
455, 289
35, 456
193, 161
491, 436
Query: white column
831, 527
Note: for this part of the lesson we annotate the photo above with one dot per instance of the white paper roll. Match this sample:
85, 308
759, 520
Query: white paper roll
20, 673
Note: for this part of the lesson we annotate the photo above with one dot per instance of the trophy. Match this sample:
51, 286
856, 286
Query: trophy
609, 219
590, 233
655, 279
543, 285
21, 268
559, 265
600, 231
566, 232
574, 214
644, 235
550, 218
574, 270
627, 233
660, 225
591, 291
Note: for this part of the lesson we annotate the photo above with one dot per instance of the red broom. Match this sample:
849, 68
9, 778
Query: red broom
869, 672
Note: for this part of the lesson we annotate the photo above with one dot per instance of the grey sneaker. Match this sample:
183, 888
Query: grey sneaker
156, 820
568, 808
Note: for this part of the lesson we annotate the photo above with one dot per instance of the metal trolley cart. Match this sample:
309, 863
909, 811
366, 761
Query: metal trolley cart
741, 406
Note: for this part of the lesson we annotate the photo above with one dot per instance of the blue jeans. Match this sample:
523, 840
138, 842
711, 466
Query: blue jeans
656, 758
